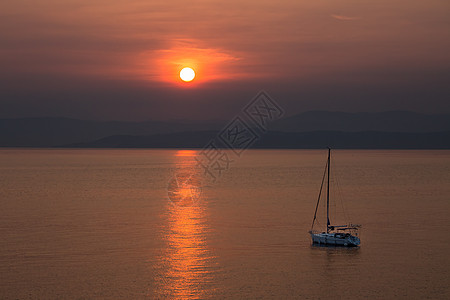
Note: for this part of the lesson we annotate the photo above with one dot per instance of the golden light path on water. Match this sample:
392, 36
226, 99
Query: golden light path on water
186, 266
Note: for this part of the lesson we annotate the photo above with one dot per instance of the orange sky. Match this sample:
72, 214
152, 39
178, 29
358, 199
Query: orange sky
265, 43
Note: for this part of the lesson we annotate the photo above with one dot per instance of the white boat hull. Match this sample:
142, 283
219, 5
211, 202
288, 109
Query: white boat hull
335, 239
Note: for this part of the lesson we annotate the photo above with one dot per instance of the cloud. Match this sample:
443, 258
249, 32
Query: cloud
209, 63
345, 18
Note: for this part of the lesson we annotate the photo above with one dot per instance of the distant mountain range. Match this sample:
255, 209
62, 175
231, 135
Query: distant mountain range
315, 129
49, 132
284, 140
391, 121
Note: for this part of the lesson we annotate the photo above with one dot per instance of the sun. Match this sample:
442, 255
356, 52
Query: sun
187, 74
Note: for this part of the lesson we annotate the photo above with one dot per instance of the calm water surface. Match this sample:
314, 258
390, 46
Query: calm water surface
89, 224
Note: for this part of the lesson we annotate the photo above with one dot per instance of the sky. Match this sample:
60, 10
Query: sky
120, 60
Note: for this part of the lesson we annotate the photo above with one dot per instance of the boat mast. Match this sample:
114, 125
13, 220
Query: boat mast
320, 193
328, 191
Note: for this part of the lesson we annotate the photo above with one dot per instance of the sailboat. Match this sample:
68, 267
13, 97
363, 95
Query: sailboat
335, 235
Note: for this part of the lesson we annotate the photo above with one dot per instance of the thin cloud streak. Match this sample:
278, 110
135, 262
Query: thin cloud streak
345, 18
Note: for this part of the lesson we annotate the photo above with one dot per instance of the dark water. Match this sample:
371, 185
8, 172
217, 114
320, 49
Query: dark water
84, 224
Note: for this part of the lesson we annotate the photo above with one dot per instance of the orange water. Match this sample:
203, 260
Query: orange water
84, 224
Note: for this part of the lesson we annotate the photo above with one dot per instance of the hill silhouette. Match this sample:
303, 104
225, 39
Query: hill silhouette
314, 129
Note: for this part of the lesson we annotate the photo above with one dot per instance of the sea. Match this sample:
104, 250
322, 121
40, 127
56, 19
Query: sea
191, 224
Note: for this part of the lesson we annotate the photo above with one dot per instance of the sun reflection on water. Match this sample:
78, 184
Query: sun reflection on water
186, 266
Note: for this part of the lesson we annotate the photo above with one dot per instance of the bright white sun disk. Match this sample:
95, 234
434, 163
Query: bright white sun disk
187, 74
